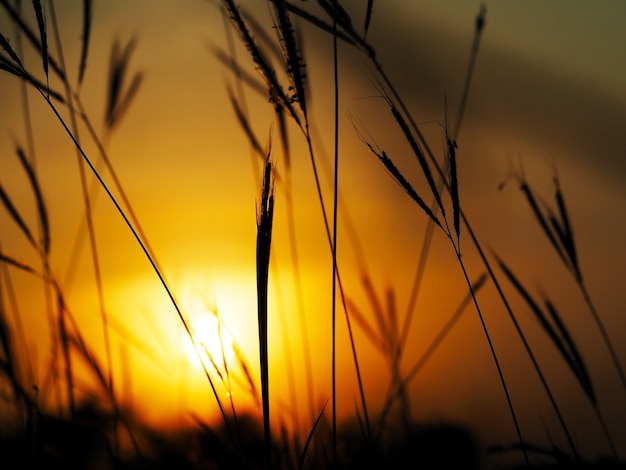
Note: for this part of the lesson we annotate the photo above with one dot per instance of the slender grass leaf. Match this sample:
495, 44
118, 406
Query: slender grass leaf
41, 23
10, 67
41, 206
309, 437
582, 373
31, 36
567, 235
368, 330
452, 147
124, 103
15, 215
377, 310
245, 125
86, 36
337, 12
319, 23
478, 29
404, 184
19, 265
258, 57
118, 99
532, 201
250, 80
265, 217
545, 324
419, 154
291, 53
368, 16
246, 371
4, 43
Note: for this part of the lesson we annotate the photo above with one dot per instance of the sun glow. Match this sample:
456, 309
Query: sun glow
213, 342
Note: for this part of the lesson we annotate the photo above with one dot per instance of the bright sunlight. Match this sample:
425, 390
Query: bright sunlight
213, 341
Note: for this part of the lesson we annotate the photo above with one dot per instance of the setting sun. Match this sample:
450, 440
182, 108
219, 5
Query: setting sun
213, 340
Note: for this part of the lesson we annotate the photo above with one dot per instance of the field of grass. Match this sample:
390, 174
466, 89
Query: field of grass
353, 295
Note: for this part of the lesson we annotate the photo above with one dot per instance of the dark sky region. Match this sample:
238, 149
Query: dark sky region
547, 96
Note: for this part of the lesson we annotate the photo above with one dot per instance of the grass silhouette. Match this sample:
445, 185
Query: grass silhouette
59, 421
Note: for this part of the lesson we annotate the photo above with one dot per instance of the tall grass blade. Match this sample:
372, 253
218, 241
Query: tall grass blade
560, 234
338, 14
291, 54
64, 338
77, 342
547, 327
241, 360
368, 17
118, 99
309, 438
378, 311
17, 218
263, 66
19, 265
10, 363
85, 38
479, 26
4, 43
566, 234
404, 184
265, 217
11, 68
41, 206
452, 147
419, 154
568, 343
334, 239
31, 36
532, 201
318, 23
365, 137
41, 23
243, 75
367, 329
392, 314
397, 388
245, 125
350, 36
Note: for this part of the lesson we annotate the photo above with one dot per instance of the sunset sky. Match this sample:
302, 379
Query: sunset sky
548, 94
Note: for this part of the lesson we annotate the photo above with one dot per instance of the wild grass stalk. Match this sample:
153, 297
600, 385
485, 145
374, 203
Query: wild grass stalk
95, 258
85, 41
238, 105
307, 443
265, 217
290, 54
119, 94
17, 65
557, 228
552, 324
343, 19
479, 26
285, 103
117, 67
368, 50
398, 388
15, 367
17, 20
334, 239
43, 36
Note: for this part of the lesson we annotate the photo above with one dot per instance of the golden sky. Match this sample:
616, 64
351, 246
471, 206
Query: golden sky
548, 92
